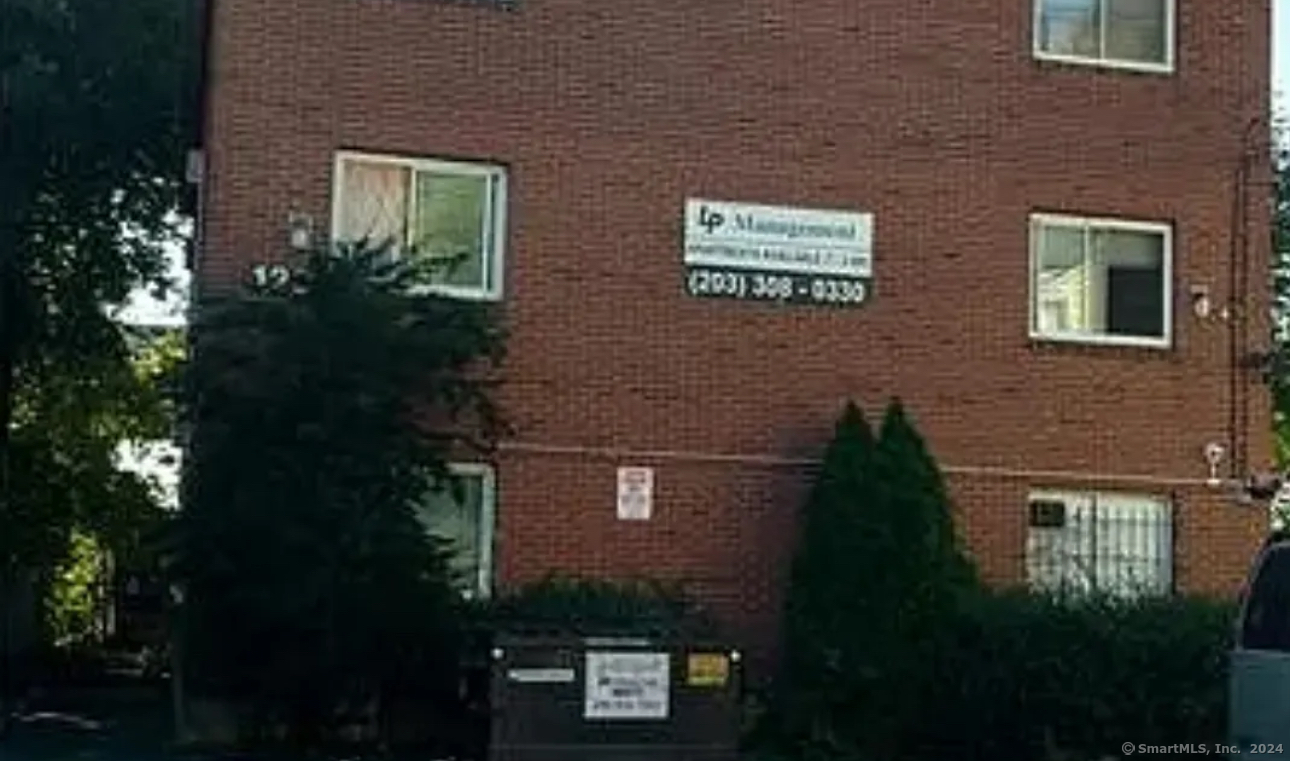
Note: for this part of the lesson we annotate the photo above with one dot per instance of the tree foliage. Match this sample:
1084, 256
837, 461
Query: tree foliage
94, 114
1281, 292
878, 567
323, 405
599, 607
64, 453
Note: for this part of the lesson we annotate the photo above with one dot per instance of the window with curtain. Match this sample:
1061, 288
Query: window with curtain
1132, 33
450, 214
1100, 280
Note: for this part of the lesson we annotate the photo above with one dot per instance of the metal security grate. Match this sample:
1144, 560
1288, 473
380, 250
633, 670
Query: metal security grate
1116, 544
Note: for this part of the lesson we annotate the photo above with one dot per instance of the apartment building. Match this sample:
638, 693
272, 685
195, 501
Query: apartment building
1041, 223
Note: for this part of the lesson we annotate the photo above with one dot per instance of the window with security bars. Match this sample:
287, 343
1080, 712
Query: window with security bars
1110, 543
450, 214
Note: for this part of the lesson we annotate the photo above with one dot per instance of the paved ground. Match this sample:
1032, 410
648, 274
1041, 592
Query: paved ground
117, 726
114, 726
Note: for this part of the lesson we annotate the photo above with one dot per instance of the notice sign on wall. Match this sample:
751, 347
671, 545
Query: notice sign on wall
624, 685
635, 494
778, 253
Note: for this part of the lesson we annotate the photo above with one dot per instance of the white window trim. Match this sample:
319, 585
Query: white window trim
498, 206
483, 585
1105, 223
1171, 46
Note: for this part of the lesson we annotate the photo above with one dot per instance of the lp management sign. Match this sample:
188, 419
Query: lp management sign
774, 253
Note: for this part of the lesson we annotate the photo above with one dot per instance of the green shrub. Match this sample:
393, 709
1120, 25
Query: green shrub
568, 604
877, 566
1018, 674
893, 649
324, 407
73, 598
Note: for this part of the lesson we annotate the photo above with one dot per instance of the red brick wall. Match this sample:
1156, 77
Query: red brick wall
932, 115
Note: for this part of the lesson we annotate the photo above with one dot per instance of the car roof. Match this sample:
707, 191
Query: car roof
1279, 536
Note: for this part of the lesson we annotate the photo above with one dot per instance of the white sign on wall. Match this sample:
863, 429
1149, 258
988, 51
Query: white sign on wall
778, 253
635, 494
541, 676
627, 685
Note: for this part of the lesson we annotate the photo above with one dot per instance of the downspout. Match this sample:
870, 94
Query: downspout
1239, 353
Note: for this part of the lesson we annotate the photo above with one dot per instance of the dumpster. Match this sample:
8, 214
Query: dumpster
567, 698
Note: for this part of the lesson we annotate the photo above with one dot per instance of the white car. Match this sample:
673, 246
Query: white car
1259, 682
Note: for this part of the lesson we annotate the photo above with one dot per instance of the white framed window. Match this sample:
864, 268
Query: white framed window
451, 213
1114, 543
1127, 34
1106, 281
467, 524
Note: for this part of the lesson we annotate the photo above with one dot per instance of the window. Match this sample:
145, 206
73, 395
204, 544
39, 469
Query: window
1120, 544
449, 213
1100, 281
467, 524
1132, 34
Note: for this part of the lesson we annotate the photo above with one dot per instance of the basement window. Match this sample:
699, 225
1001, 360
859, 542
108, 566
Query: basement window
1100, 281
1082, 542
466, 525
449, 213
1126, 34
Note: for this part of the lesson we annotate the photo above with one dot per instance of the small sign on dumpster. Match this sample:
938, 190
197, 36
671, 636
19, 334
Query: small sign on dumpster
622, 685
707, 670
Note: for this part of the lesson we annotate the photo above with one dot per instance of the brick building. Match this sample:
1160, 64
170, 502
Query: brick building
1042, 223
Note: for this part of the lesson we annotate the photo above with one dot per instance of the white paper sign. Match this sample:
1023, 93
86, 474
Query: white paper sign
540, 676
627, 685
735, 235
635, 494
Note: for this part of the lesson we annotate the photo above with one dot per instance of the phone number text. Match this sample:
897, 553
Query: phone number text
783, 287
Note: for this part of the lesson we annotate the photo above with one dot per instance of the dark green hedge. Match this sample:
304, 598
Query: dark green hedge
1018, 673
590, 606
894, 650
1018, 676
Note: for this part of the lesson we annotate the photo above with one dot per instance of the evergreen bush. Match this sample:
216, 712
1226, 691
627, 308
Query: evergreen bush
562, 604
894, 650
1028, 674
877, 567
324, 405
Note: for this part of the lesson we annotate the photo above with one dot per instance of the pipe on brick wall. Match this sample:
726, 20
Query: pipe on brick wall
775, 461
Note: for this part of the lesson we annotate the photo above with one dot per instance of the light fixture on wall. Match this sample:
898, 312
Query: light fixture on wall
1201, 304
301, 230
1214, 454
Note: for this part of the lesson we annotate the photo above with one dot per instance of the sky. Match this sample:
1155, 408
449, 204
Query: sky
143, 309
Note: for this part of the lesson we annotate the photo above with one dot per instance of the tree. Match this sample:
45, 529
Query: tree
66, 473
928, 576
94, 110
1281, 292
820, 611
918, 500
323, 405
877, 572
